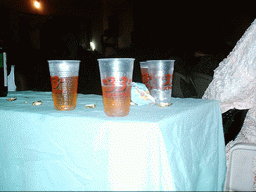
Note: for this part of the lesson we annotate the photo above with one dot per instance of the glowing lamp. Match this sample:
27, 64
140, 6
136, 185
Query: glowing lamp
92, 46
37, 4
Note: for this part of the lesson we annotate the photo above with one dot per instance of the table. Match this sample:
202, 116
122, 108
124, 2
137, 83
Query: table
180, 147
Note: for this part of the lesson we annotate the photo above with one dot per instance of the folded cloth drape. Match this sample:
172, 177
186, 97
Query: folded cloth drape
234, 84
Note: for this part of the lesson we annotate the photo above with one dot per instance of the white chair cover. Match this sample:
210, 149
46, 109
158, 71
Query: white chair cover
234, 80
234, 84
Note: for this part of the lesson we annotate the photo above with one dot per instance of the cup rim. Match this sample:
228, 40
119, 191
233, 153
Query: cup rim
160, 60
102, 59
58, 61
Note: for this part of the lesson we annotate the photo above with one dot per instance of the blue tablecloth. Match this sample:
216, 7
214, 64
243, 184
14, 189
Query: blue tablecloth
180, 147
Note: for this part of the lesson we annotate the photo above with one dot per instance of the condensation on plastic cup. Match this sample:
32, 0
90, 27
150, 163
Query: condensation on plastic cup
160, 79
64, 82
116, 79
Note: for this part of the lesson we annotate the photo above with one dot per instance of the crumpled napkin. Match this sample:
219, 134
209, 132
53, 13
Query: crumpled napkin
140, 94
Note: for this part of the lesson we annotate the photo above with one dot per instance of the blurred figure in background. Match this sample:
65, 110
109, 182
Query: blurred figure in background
89, 75
109, 41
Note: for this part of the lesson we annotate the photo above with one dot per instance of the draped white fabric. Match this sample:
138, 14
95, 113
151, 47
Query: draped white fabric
235, 79
234, 84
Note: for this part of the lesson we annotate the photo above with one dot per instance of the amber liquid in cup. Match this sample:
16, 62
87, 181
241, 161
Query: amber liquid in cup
145, 76
64, 92
116, 103
116, 81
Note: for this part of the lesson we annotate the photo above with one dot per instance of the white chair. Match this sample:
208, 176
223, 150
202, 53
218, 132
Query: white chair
241, 175
11, 80
178, 90
202, 82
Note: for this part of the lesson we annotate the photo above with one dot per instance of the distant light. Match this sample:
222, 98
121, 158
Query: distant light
92, 45
37, 4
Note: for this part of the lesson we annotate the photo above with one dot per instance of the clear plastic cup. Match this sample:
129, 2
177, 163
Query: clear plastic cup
160, 79
116, 79
64, 81
144, 73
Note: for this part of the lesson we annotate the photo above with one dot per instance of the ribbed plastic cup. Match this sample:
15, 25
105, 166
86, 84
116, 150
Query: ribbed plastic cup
64, 81
116, 79
161, 75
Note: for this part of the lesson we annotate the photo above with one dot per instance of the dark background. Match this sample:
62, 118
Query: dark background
181, 23
156, 29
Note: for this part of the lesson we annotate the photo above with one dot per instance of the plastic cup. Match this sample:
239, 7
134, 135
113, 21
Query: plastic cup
144, 73
64, 81
116, 79
161, 75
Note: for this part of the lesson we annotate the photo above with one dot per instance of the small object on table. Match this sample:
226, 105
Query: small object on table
140, 94
11, 99
132, 103
164, 104
90, 106
36, 103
